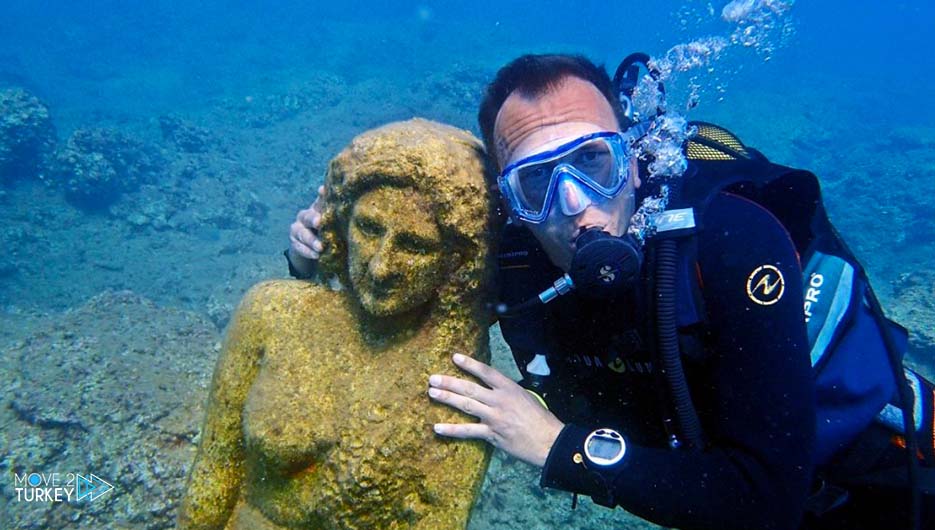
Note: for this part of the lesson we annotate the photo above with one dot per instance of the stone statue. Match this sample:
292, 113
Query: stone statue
318, 414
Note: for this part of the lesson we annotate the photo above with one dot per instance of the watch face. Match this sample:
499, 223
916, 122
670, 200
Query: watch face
605, 447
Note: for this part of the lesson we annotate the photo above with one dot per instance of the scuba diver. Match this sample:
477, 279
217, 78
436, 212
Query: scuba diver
671, 372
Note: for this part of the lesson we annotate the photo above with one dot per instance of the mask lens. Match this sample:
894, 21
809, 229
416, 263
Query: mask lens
533, 184
595, 163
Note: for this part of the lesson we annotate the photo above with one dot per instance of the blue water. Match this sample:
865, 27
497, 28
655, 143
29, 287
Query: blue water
852, 70
176, 53
277, 88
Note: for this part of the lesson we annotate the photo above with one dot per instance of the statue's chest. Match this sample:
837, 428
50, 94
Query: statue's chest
344, 433
301, 400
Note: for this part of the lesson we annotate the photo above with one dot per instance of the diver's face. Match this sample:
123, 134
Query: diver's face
395, 258
525, 127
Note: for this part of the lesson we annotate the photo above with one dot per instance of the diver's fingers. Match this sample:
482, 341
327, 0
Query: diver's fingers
464, 404
318, 204
310, 218
302, 248
301, 233
462, 387
473, 431
485, 373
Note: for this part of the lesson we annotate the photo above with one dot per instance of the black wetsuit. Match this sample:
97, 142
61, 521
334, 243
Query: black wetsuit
747, 365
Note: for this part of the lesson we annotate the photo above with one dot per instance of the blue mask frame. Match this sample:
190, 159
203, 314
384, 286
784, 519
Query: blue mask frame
508, 179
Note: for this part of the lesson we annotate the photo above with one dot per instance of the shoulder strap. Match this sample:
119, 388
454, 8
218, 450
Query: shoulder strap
719, 161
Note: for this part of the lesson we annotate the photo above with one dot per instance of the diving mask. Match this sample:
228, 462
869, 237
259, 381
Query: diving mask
595, 164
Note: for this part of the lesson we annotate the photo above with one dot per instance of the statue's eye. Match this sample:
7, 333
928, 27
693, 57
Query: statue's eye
415, 244
368, 227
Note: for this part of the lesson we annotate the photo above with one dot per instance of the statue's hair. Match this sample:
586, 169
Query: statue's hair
444, 164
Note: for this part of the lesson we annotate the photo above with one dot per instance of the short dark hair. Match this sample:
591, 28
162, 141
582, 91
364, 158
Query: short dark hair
534, 75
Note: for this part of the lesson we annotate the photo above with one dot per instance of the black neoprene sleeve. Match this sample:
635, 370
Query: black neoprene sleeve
756, 470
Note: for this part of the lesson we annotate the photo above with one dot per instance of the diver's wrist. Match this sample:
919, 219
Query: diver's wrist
553, 432
300, 267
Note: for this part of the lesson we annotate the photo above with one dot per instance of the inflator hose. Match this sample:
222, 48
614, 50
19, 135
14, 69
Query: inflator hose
666, 272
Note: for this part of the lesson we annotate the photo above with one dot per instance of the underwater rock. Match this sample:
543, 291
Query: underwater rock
97, 165
185, 136
318, 415
114, 388
318, 91
27, 136
914, 308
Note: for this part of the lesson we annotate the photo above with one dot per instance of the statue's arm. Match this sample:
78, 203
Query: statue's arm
456, 487
217, 474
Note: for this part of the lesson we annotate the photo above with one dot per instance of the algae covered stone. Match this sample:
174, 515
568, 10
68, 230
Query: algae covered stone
97, 165
27, 136
318, 415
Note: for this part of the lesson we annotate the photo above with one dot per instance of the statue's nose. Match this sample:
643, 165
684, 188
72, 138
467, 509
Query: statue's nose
380, 265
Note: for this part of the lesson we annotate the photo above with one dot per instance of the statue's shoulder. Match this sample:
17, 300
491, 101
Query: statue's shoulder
276, 297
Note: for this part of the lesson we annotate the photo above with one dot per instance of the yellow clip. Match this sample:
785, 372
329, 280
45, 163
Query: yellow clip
539, 398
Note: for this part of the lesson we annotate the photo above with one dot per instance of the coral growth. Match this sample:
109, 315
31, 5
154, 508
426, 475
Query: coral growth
185, 136
97, 165
27, 136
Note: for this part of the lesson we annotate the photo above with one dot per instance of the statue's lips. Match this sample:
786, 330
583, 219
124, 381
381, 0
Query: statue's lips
380, 289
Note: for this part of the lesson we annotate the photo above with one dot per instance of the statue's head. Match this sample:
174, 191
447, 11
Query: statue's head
407, 220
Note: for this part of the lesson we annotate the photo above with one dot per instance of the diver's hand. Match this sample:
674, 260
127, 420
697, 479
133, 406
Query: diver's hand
304, 244
511, 419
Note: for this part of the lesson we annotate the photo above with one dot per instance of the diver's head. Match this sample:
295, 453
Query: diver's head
534, 75
564, 167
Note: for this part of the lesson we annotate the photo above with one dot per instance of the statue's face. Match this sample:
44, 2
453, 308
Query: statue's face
396, 260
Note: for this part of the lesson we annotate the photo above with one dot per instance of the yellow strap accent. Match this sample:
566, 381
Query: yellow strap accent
539, 398
718, 135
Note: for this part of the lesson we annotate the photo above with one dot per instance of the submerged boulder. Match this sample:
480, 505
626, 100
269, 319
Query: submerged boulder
914, 308
97, 165
27, 136
184, 135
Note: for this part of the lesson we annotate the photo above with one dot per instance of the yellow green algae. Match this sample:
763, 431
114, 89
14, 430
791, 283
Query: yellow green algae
318, 415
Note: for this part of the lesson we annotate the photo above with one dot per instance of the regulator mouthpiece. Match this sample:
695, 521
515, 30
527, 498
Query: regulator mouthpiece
605, 266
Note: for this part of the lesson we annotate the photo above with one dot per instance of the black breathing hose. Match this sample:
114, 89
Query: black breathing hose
666, 271
907, 400
503, 311
906, 394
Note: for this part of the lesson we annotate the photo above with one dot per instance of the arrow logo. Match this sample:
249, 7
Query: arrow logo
762, 288
767, 287
92, 487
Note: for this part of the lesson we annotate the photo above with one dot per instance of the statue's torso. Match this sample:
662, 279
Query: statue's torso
336, 430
